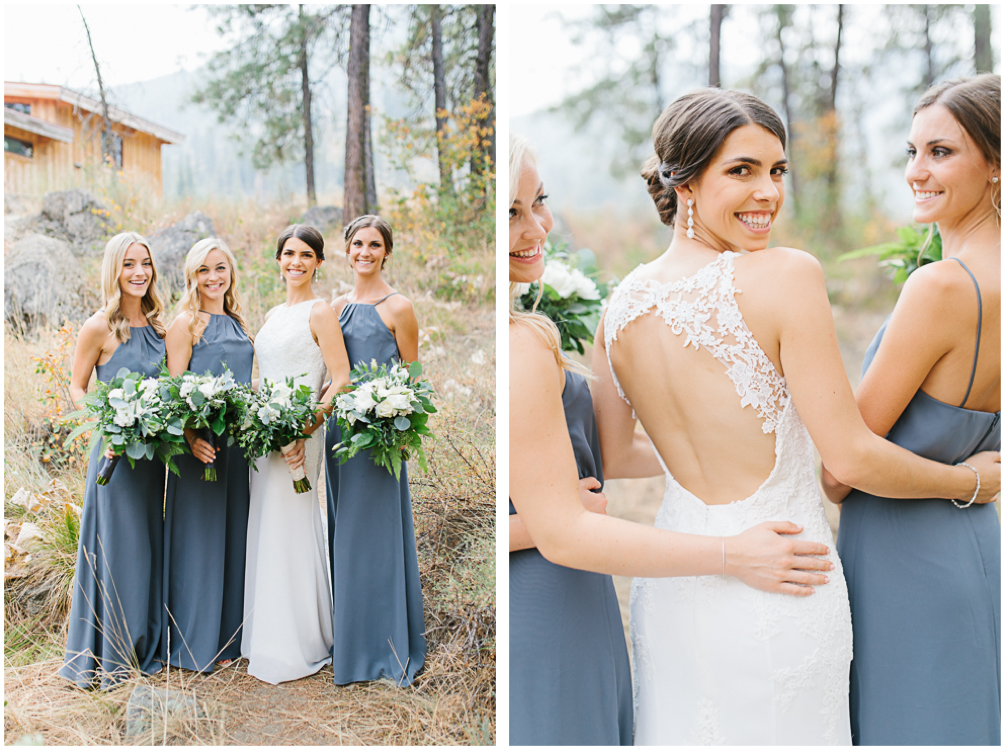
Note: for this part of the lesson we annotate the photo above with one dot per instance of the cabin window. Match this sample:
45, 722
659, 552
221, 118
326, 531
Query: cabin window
24, 109
17, 146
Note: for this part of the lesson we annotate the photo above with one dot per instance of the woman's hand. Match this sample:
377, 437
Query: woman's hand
109, 454
296, 457
763, 559
201, 449
988, 464
594, 502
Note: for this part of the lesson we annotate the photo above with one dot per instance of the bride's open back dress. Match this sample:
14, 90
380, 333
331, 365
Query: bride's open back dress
715, 661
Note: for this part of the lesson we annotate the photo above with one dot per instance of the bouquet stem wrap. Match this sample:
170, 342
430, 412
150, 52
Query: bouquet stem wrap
300, 482
209, 474
106, 468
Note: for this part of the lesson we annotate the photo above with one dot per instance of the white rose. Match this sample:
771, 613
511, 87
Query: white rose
148, 384
385, 409
116, 393
208, 389
585, 287
125, 417
364, 400
400, 403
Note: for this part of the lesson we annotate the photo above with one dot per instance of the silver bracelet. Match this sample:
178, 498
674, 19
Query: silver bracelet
957, 504
723, 557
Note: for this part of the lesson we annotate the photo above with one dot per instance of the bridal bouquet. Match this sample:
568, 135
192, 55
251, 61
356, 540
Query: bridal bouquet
272, 420
207, 404
385, 412
133, 416
572, 298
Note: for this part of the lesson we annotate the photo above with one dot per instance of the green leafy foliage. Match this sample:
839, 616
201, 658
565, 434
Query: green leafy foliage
904, 257
574, 309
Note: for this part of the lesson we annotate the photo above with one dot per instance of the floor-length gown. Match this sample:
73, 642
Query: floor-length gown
925, 588
287, 596
569, 674
379, 626
715, 661
206, 526
116, 616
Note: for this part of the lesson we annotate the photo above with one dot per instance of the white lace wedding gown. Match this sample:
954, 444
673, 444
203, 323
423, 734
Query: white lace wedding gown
715, 661
287, 594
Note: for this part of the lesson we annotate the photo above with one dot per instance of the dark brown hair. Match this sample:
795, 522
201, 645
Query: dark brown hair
975, 103
302, 232
369, 220
689, 133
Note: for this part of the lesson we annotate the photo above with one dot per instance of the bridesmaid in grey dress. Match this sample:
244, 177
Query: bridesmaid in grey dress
116, 615
924, 576
379, 626
569, 675
206, 523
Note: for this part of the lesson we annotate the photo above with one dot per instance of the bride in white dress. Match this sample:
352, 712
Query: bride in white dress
689, 341
287, 594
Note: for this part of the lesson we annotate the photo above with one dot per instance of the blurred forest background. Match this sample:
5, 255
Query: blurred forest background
297, 113
588, 83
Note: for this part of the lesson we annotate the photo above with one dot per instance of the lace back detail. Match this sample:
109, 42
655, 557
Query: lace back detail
703, 306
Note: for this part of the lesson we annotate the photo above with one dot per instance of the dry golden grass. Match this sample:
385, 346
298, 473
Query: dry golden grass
452, 701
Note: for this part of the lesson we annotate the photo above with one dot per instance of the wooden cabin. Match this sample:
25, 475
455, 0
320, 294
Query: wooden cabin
52, 138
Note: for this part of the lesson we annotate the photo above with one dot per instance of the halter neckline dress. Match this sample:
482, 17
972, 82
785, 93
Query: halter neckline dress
925, 584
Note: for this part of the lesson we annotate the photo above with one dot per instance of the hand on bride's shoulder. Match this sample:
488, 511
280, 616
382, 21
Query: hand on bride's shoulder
594, 502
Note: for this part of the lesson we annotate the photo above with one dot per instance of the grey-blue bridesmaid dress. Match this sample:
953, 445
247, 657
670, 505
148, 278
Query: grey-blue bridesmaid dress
379, 625
116, 615
924, 579
206, 527
569, 675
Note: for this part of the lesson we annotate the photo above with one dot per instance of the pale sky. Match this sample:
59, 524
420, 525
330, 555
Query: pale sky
133, 42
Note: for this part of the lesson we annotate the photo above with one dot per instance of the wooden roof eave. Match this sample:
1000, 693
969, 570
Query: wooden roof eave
35, 125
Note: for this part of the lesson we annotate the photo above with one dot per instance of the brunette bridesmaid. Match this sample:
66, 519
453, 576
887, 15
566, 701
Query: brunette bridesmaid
117, 616
379, 626
205, 524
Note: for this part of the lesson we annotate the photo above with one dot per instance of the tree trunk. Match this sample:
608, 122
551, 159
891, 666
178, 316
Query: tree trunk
358, 98
482, 87
371, 195
928, 48
830, 123
783, 19
107, 135
714, 57
439, 87
983, 58
308, 135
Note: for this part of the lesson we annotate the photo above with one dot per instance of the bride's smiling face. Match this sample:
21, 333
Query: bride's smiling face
529, 222
740, 193
298, 261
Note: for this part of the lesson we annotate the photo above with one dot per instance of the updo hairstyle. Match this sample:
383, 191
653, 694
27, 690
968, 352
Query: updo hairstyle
689, 133
369, 220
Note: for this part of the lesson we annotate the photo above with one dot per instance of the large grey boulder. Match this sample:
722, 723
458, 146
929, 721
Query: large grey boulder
323, 217
41, 283
171, 245
152, 712
76, 216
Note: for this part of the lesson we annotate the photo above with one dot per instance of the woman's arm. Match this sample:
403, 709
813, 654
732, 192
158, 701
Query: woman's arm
405, 327
543, 488
90, 342
594, 502
815, 375
327, 333
626, 451
179, 355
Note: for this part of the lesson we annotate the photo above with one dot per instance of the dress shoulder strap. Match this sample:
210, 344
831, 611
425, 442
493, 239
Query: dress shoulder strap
979, 329
383, 298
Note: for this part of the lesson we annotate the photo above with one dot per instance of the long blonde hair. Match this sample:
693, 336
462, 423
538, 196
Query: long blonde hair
191, 300
111, 291
543, 326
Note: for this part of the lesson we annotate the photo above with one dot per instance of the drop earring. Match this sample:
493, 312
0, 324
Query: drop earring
690, 218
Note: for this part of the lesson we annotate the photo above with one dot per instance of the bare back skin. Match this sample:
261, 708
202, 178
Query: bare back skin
714, 447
